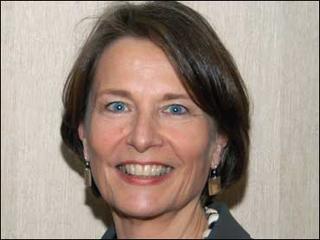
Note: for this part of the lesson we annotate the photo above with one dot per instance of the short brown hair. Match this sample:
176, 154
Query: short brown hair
205, 67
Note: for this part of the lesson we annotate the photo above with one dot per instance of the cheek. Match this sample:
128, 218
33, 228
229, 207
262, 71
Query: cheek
104, 137
104, 149
191, 142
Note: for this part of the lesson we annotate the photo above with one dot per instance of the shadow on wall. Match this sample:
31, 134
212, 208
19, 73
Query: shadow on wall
231, 196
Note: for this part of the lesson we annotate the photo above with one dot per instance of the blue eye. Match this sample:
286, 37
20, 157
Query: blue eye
116, 107
177, 109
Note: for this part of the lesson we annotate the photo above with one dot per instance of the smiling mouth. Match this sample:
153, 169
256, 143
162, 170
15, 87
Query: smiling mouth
145, 170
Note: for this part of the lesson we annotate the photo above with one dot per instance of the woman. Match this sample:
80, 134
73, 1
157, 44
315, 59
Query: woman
156, 108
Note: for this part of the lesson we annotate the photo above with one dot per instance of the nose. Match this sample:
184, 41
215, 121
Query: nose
144, 133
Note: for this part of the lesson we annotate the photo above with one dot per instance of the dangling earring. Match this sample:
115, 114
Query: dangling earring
87, 174
87, 170
214, 183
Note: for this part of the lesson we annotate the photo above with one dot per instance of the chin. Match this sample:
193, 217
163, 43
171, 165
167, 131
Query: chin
140, 208
143, 214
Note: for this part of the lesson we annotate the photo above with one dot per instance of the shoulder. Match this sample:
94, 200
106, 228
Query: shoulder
110, 233
226, 227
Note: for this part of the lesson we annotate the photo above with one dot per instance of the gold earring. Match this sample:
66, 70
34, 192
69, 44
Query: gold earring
214, 183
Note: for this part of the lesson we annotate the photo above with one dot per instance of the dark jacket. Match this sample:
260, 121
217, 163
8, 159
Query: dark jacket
225, 228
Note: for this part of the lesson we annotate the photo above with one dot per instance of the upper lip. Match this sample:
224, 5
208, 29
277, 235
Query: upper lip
143, 162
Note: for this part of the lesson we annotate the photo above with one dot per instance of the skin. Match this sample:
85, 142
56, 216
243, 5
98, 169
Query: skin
147, 129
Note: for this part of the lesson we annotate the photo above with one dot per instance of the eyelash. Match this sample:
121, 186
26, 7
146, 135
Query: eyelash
184, 110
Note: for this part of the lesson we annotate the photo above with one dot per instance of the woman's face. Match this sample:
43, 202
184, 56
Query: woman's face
150, 147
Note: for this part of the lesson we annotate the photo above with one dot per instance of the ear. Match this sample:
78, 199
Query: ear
82, 136
220, 143
81, 131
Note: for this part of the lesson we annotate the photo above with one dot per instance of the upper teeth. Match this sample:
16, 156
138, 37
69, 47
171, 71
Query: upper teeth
145, 170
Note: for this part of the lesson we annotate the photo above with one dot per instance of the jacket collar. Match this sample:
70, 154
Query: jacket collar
225, 228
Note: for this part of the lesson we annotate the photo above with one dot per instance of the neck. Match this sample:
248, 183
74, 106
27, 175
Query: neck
188, 222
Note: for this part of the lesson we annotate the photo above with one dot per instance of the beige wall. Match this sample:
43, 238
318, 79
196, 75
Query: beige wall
276, 45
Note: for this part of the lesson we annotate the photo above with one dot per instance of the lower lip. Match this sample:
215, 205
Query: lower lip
135, 180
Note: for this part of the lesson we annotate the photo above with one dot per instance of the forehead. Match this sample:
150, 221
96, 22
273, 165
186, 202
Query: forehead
138, 63
133, 51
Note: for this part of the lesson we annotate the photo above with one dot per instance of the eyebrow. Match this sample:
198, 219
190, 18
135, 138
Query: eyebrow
126, 94
116, 92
